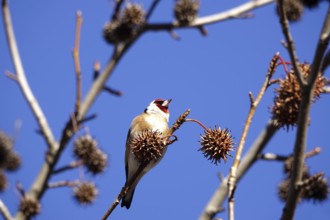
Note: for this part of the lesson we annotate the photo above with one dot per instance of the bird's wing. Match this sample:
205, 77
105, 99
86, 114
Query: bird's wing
127, 152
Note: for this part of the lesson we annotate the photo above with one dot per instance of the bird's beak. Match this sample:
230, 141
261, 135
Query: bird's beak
167, 102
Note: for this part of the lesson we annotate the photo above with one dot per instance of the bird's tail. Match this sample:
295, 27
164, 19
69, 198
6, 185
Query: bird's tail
127, 199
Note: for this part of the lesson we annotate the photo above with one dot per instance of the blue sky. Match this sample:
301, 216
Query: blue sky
210, 75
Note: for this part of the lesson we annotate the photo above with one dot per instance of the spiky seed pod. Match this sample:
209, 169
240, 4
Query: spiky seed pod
186, 11
287, 168
86, 149
320, 81
116, 31
313, 188
310, 3
134, 15
293, 9
319, 87
126, 26
5, 141
13, 161
316, 190
287, 101
29, 207
85, 193
96, 162
283, 189
3, 181
5, 146
216, 144
84, 146
288, 97
147, 146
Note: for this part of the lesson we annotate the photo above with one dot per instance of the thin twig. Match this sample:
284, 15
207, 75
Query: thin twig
76, 60
211, 19
5, 211
272, 156
116, 11
174, 35
277, 157
152, 9
112, 91
97, 67
20, 189
313, 152
290, 44
70, 166
198, 122
87, 118
215, 203
254, 104
123, 192
11, 76
22, 81
64, 183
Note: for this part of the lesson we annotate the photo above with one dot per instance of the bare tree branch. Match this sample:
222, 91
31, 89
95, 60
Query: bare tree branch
152, 8
211, 19
303, 121
64, 183
321, 47
76, 59
116, 10
5, 211
98, 84
290, 44
217, 199
272, 156
253, 107
70, 166
22, 81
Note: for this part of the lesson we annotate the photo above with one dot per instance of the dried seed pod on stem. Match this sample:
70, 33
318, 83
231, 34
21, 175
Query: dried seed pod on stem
85, 192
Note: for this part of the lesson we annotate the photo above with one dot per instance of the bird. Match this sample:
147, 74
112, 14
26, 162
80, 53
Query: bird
155, 117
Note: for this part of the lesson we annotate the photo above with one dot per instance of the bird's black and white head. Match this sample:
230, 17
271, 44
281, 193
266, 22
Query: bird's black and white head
159, 106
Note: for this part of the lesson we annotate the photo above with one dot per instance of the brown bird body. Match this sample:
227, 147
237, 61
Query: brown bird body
154, 118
